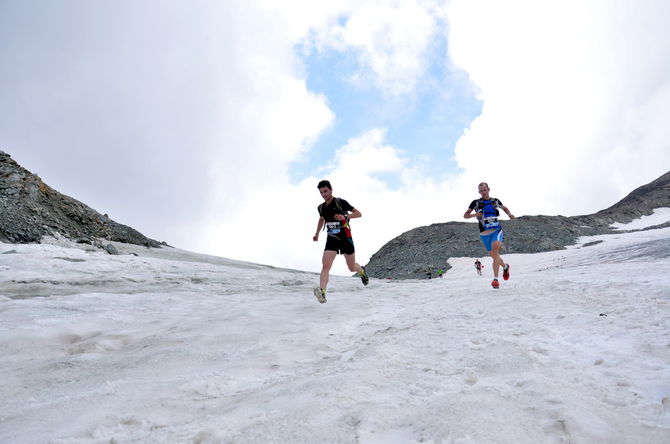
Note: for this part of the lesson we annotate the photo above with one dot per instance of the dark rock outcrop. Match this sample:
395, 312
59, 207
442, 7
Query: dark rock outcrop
640, 202
418, 253
31, 210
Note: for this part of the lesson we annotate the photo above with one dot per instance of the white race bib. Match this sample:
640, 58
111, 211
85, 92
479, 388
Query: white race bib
490, 222
333, 227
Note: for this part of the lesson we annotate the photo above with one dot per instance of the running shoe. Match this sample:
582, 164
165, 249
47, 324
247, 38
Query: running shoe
506, 272
495, 284
320, 294
364, 276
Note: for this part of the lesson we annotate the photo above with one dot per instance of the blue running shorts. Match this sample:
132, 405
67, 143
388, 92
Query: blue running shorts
488, 239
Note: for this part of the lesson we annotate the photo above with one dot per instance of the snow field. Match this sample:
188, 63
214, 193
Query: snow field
169, 346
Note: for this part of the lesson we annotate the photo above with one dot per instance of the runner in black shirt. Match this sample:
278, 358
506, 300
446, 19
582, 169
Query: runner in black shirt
334, 214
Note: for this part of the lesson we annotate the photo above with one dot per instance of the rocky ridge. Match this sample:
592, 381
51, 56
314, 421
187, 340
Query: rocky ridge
418, 253
30, 210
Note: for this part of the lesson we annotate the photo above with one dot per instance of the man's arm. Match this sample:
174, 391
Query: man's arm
507, 211
354, 214
319, 226
469, 214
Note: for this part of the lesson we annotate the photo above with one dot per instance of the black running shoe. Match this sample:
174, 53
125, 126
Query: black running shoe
364, 277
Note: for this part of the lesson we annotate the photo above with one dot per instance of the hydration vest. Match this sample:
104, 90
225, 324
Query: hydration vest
334, 227
489, 207
490, 213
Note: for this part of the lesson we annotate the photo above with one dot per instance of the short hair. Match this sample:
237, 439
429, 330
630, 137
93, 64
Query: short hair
324, 183
485, 184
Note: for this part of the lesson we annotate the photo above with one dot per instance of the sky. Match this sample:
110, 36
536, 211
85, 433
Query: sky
208, 124
171, 346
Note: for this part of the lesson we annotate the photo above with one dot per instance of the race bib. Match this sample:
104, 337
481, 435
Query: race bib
333, 227
490, 222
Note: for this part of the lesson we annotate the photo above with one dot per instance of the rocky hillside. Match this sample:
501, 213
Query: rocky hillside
641, 202
418, 253
31, 210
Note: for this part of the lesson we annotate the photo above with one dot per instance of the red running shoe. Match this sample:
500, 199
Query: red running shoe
495, 284
506, 272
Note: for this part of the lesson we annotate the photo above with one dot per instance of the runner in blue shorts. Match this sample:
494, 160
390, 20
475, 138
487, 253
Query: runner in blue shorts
490, 230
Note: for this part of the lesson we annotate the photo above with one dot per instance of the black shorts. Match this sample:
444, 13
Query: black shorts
342, 245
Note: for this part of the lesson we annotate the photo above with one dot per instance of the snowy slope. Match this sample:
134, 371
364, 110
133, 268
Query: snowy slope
175, 347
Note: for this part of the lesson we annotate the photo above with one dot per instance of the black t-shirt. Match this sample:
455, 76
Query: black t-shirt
489, 207
328, 212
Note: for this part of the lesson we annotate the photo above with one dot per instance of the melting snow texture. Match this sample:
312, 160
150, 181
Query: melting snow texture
174, 347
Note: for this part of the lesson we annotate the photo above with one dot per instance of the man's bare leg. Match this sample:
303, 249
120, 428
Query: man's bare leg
497, 259
326, 264
351, 263
354, 266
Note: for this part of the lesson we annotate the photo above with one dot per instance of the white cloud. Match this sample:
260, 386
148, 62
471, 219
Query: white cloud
566, 88
574, 100
163, 117
365, 155
275, 225
391, 39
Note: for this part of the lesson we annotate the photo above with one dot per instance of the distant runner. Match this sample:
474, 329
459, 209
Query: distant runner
490, 230
478, 266
334, 214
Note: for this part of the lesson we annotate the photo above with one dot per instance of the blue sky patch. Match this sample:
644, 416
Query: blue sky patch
424, 124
